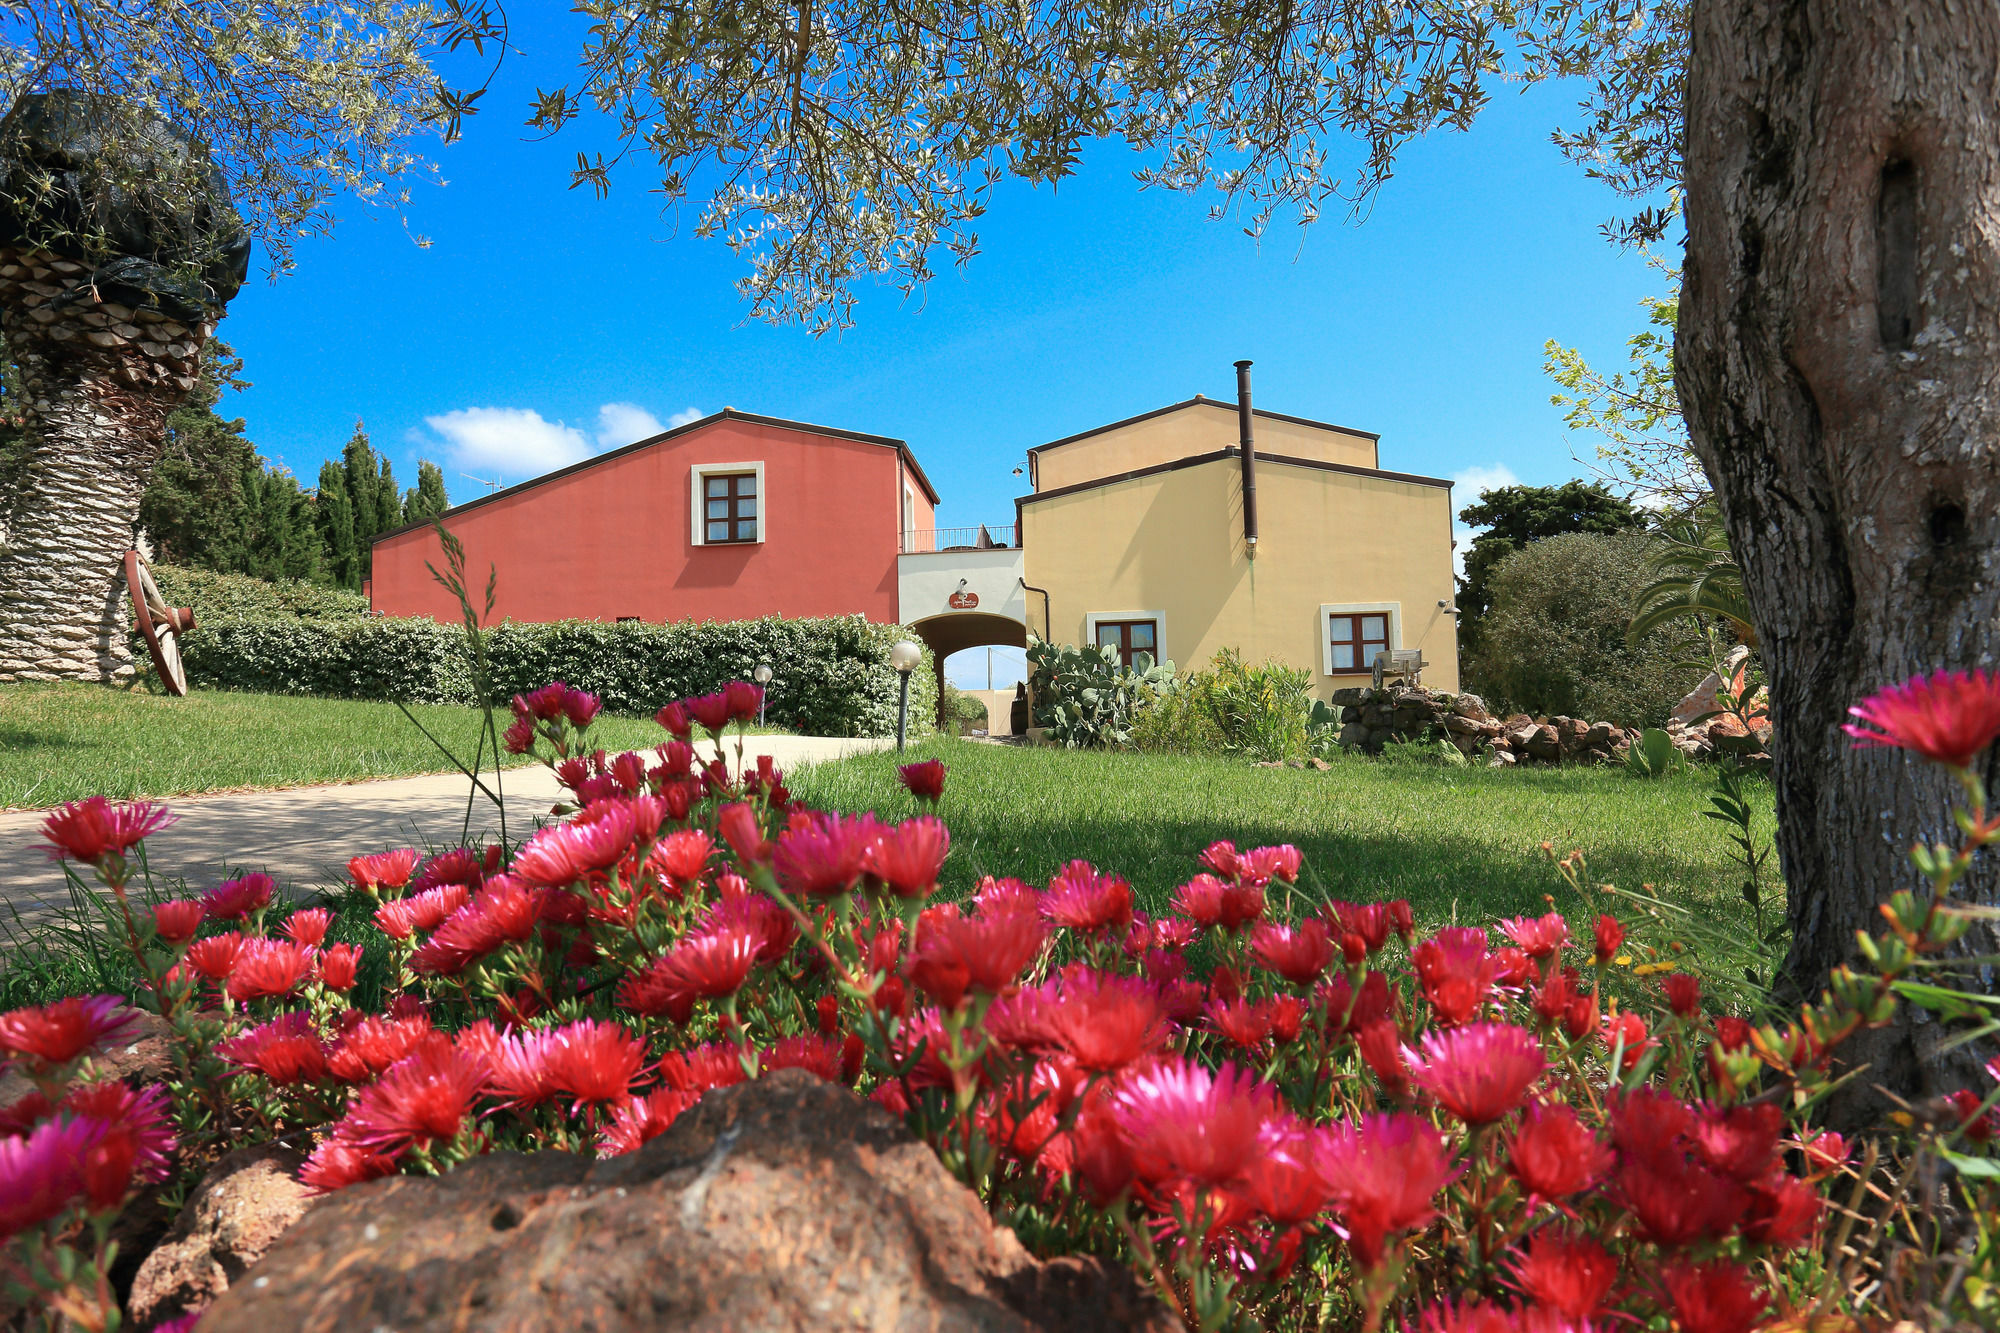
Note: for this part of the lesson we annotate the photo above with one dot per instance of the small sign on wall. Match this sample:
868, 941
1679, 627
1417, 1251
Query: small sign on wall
962, 600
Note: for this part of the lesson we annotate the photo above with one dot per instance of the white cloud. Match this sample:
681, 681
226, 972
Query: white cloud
1467, 483
514, 442
620, 424
1471, 481
684, 416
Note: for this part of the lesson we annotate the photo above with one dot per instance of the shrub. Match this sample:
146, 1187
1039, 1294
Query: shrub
1555, 641
831, 676
1086, 697
1264, 711
1282, 1114
963, 713
216, 597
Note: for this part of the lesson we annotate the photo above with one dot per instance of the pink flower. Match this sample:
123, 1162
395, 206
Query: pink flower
925, 780
1539, 936
1608, 937
1715, 1297
705, 967
93, 829
1481, 1071
340, 1162
638, 1120
1683, 991
235, 899
1260, 865
711, 710
740, 829
176, 920
423, 1098
743, 700
594, 1061
569, 852
1299, 954
984, 952
1947, 717
907, 857
266, 968
1385, 1173
681, 857
1200, 899
1084, 898
285, 1050
215, 956
1569, 1274
822, 855
1182, 1123
382, 870
41, 1173
339, 965
52, 1035
308, 927
1555, 1155
518, 1066
1105, 1021
676, 719
579, 707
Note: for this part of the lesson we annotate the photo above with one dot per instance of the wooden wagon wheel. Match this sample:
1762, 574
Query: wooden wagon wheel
162, 625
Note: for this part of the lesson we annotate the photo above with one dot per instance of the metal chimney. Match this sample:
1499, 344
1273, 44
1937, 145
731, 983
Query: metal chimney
1248, 445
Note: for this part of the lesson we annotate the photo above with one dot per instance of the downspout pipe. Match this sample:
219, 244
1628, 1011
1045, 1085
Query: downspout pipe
1029, 587
1247, 447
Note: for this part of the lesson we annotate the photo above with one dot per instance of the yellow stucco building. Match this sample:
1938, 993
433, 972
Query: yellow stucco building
1136, 535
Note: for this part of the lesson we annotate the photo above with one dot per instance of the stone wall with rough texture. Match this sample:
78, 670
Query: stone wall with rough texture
1371, 718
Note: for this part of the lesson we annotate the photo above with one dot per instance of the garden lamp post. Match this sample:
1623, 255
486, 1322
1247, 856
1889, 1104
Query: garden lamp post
762, 675
904, 657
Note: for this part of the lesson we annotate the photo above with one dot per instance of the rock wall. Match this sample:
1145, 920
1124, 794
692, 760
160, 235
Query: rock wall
1371, 718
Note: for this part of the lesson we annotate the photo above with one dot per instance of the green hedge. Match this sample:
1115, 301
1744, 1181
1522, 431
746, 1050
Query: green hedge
831, 676
216, 597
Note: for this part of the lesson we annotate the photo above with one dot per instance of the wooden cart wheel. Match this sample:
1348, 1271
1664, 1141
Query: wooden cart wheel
162, 625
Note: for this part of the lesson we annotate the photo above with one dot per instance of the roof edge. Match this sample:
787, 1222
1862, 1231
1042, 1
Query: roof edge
1216, 456
727, 413
1201, 400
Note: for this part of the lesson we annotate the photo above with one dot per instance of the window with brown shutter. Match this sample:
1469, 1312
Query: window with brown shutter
729, 507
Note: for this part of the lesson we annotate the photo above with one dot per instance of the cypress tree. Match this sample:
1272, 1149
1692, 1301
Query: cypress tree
335, 514
427, 499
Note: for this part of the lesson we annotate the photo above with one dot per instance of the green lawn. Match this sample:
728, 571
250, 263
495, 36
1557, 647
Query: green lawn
64, 742
1457, 841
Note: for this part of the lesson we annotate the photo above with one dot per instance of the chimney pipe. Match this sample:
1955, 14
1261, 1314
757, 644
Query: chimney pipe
1248, 445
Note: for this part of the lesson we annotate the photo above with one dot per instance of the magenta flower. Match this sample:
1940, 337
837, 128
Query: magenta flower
1183, 1123
1538, 936
40, 1174
1947, 716
52, 1035
1385, 1173
94, 829
1481, 1071
1085, 898
234, 899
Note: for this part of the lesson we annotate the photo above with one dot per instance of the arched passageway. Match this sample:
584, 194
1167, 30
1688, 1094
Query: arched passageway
955, 631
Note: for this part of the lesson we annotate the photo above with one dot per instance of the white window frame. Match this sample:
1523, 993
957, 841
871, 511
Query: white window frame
698, 509
1159, 619
909, 518
1328, 610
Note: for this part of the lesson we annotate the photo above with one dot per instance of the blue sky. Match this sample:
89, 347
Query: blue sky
542, 322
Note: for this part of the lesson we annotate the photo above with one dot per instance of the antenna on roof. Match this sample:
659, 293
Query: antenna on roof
491, 486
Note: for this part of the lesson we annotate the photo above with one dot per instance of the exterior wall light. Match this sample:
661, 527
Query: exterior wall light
905, 657
762, 675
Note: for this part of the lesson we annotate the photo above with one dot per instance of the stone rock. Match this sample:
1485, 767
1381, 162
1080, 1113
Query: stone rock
1543, 742
1502, 759
1318, 765
1472, 706
1353, 736
1459, 725
787, 1203
1730, 736
1601, 736
1349, 697
1513, 720
1700, 701
245, 1202
1520, 734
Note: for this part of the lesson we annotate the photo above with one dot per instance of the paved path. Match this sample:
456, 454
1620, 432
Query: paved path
303, 836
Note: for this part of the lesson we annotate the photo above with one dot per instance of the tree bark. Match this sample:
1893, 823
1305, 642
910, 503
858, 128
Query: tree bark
1838, 357
99, 380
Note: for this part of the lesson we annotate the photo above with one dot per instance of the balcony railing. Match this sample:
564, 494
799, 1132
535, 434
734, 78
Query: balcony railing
982, 537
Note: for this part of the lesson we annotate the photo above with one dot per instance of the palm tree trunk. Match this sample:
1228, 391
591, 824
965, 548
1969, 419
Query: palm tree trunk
1839, 359
98, 382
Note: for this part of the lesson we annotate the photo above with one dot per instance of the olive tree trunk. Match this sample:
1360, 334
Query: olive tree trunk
1839, 362
98, 381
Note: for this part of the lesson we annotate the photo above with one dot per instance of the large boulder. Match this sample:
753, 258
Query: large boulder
786, 1203
248, 1199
